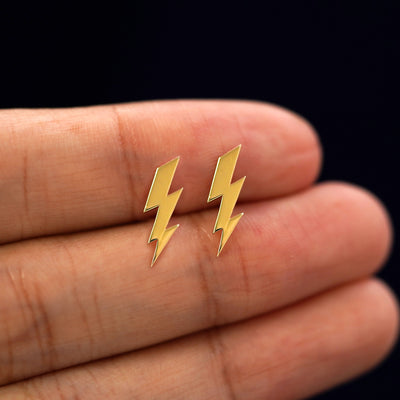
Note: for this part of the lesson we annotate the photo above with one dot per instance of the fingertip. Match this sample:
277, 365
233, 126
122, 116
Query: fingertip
289, 141
365, 207
382, 307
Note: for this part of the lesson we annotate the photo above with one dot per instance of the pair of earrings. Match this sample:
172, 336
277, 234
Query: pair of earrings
221, 186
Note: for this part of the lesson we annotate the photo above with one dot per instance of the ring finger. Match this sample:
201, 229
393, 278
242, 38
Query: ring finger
290, 354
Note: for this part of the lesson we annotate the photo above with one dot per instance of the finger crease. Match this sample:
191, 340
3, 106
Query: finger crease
122, 143
81, 307
49, 337
25, 193
217, 350
25, 299
203, 262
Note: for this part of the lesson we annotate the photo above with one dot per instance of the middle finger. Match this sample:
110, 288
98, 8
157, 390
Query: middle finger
71, 299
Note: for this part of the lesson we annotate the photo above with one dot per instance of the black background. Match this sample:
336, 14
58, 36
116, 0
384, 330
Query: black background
334, 62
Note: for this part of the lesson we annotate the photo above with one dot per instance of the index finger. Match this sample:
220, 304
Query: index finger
65, 170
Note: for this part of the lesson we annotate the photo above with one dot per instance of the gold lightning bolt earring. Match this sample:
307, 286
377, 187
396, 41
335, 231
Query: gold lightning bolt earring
166, 203
221, 186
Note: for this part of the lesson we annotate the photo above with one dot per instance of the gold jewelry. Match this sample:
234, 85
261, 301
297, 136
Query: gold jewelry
166, 203
222, 187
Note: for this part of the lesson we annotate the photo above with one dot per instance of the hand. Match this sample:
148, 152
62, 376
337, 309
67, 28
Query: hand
288, 309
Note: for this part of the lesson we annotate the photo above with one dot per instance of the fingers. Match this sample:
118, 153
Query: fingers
77, 169
67, 300
290, 354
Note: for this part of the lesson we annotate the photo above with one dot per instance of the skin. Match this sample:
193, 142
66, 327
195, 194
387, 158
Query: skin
290, 308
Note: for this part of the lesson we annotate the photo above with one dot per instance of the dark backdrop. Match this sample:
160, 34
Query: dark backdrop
334, 62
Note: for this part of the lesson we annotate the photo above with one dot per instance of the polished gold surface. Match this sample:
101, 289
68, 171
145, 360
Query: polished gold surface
222, 187
166, 203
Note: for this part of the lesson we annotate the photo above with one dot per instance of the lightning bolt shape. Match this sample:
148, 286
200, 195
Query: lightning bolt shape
221, 186
166, 203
